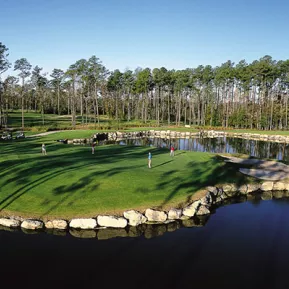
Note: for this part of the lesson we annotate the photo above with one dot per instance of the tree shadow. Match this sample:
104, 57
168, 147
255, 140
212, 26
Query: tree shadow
8, 200
222, 173
30, 171
64, 160
162, 164
69, 192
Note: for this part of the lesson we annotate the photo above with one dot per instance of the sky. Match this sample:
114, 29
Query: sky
126, 34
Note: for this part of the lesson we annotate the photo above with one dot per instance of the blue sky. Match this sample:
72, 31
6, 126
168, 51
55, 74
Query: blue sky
144, 33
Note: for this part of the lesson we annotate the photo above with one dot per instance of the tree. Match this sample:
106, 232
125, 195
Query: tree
97, 74
24, 67
245, 95
36, 81
57, 79
40, 84
9, 90
129, 88
4, 65
82, 77
284, 87
115, 85
142, 87
71, 73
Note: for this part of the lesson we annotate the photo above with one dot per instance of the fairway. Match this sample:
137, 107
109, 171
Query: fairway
71, 182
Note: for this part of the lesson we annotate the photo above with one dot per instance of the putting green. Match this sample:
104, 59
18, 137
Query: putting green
71, 182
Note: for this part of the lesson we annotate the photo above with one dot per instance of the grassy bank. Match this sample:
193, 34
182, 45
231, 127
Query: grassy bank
71, 182
268, 132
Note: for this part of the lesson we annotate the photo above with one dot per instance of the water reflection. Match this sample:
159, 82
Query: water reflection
260, 149
242, 245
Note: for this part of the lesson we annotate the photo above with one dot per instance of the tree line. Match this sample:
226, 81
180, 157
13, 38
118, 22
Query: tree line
243, 95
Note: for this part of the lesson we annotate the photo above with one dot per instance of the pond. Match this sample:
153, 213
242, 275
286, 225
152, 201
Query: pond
260, 149
242, 245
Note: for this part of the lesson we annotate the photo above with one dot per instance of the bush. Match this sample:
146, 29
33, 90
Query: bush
53, 128
35, 128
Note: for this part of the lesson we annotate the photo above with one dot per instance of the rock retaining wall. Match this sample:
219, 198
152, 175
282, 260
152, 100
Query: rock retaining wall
133, 221
176, 134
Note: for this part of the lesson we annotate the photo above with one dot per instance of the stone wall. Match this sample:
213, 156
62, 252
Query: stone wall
134, 223
176, 134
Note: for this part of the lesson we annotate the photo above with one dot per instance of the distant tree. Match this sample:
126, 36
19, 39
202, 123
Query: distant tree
4, 65
35, 82
40, 84
24, 67
142, 87
57, 79
9, 91
245, 95
82, 79
115, 86
129, 88
284, 87
97, 74
71, 74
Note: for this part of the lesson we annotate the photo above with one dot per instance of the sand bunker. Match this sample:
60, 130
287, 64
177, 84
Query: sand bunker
265, 174
263, 170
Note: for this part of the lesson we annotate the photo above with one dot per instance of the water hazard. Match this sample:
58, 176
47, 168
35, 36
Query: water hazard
259, 149
242, 245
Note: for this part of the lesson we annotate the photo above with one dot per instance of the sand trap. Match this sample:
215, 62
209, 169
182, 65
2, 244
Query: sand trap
46, 133
265, 174
257, 163
263, 170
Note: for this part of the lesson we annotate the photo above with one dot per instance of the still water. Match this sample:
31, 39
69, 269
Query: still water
242, 245
260, 149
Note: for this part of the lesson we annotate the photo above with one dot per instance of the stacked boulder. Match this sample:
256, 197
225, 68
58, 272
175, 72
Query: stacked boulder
132, 223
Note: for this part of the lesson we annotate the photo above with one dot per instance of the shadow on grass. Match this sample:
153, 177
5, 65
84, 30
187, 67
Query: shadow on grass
34, 119
15, 120
63, 159
66, 158
69, 191
162, 164
198, 179
8, 200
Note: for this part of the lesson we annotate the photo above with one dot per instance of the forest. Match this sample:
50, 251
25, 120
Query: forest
242, 95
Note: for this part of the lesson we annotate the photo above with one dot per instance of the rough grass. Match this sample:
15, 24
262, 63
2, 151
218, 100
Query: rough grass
71, 182
268, 132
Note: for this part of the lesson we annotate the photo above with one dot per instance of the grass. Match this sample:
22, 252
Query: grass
33, 121
71, 182
269, 132
171, 128
71, 134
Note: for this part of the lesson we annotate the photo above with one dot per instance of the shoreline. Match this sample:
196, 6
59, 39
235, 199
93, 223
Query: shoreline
201, 207
199, 204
